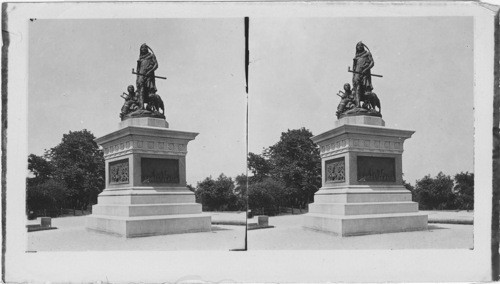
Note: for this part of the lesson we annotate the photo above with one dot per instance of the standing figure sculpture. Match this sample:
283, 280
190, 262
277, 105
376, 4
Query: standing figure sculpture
361, 77
146, 66
361, 100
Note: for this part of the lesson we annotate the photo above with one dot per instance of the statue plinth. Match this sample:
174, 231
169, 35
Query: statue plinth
141, 113
144, 122
358, 111
146, 191
362, 188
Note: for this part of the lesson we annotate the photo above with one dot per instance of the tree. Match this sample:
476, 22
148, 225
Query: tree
464, 190
411, 188
296, 163
79, 163
218, 194
241, 185
435, 193
259, 166
191, 188
41, 168
47, 196
260, 198
268, 195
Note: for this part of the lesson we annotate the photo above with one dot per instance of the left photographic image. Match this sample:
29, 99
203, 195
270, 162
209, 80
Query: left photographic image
136, 135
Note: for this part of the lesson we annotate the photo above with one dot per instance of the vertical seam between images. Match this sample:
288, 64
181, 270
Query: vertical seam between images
496, 154
5, 49
247, 59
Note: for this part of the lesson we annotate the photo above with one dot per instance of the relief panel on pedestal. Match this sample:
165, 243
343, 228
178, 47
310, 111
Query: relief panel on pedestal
376, 169
335, 170
160, 171
118, 172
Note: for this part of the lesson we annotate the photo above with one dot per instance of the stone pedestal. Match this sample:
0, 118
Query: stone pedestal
362, 188
146, 191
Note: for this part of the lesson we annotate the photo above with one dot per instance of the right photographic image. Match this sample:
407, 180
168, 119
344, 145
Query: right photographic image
361, 133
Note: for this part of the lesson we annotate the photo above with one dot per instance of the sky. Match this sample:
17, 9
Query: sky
299, 64
79, 68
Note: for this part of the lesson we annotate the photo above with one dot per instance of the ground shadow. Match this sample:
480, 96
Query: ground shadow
435, 227
37, 227
216, 228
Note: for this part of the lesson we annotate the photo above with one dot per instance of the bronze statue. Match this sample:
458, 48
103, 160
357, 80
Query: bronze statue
145, 94
155, 103
361, 77
131, 102
146, 66
347, 100
370, 101
361, 100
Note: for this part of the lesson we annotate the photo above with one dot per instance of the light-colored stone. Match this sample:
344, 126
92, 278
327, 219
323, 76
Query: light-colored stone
350, 204
144, 122
362, 197
137, 196
363, 208
146, 209
360, 119
149, 225
135, 206
263, 220
366, 224
45, 221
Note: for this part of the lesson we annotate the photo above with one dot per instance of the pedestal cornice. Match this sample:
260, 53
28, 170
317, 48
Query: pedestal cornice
146, 131
145, 140
361, 138
362, 130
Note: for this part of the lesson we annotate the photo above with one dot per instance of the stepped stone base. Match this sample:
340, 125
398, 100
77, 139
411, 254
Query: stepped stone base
362, 186
366, 224
149, 225
147, 212
363, 208
358, 210
146, 191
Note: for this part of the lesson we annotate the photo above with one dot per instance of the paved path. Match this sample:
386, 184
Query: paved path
71, 235
453, 217
228, 218
289, 235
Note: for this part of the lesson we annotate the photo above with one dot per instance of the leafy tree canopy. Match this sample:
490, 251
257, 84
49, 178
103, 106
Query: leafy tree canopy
41, 168
48, 195
435, 193
77, 163
294, 162
241, 185
295, 159
218, 194
260, 196
464, 190
259, 166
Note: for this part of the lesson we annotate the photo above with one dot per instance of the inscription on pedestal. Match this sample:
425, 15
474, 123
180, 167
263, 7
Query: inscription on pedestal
118, 172
335, 170
376, 169
159, 170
